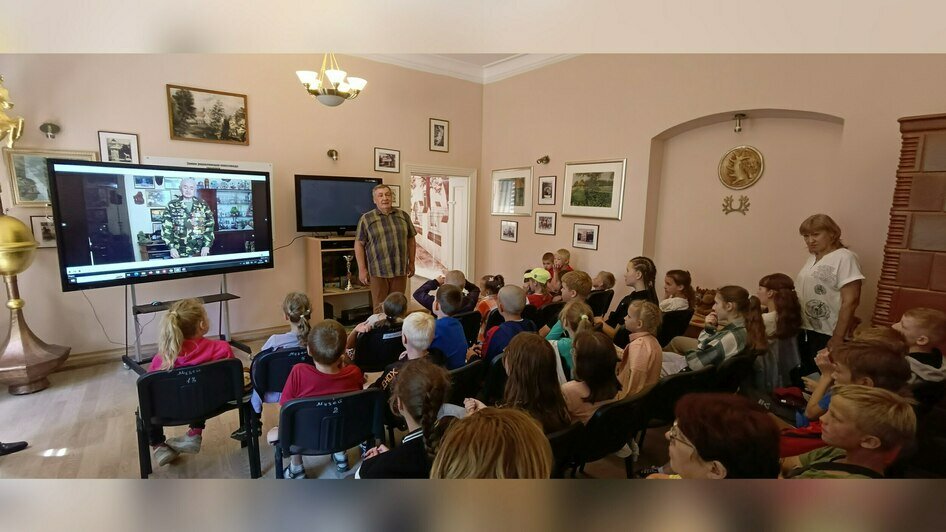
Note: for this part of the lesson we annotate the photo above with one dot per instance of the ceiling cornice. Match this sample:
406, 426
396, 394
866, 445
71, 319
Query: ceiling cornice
446, 66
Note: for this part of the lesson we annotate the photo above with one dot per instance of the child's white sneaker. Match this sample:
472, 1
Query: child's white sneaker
288, 473
164, 455
185, 443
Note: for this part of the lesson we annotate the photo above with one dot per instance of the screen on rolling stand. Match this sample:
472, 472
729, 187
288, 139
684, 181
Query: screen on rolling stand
120, 224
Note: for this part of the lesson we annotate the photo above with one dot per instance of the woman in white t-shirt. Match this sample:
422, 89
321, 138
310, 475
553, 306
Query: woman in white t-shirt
828, 286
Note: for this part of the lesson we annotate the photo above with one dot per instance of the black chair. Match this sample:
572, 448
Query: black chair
548, 314
529, 312
565, 447
377, 348
600, 301
663, 397
466, 381
672, 324
494, 385
613, 426
471, 325
736, 372
270, 370
190, 394
330, 424
494, 319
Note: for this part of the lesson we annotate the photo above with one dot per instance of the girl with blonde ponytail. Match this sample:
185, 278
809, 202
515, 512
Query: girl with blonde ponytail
420, 390
576, 317
181, 343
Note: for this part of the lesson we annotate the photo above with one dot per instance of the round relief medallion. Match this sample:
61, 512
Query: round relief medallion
741, 167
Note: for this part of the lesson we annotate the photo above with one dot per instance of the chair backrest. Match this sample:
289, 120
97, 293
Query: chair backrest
466, 381
270, 370
529, 312
548, 314
927, 395
494, 386
494, 318
471, 325
323, 425
674, 323
735, 371
565, 447
600, 301
613, 425
379, 347
664, 395
184, 395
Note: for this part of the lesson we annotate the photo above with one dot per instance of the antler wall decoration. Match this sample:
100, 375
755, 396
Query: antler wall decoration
742, 208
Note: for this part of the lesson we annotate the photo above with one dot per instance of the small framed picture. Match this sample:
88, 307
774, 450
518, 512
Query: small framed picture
395, 196
144, 181
119, 148
157, 215
44, 231
547, 190
439, 135
512, 192
387, 160
28, 173
585, 236
509, 230
545, 223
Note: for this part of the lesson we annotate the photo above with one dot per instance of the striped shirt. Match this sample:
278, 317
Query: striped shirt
385, 237
714, 346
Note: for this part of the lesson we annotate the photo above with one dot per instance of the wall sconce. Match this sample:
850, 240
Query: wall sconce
738, 118
49, 129
333, 154
543, 160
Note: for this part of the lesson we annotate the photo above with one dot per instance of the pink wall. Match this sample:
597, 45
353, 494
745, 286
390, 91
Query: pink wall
608, 106
88, 93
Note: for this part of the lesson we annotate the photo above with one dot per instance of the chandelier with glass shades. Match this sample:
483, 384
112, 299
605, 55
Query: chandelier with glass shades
331, 85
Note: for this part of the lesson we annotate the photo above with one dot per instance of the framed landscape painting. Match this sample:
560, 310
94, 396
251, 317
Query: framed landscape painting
512, 191
594, 189
28, 174
204, 115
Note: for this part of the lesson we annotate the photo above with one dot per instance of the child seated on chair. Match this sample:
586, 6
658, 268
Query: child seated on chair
449, 337
329, 376
678, 291
603, 281
419, 392
640, 364
576, 286
393, 310
595, 381
640, 277
924, 329
416, 334
576, 317
559, 268
296, 310
537, 293
452, 277
512, 300
181, 343
489, 294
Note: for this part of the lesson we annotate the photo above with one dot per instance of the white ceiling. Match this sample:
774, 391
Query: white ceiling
479, 68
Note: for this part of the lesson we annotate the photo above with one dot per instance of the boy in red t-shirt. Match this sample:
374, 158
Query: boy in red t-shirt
329, 376
560, 267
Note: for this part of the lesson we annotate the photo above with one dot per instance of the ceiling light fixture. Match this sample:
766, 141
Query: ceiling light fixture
331, 86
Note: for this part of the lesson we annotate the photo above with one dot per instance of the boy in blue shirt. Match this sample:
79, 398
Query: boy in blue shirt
448, 331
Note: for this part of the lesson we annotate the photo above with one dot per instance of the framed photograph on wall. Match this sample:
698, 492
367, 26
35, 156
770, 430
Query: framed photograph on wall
545, 223
547, 190
509, 230
157, 215
28, 177
439, 135
144, 181
594, 189
203, 115
118, 147
395, 196
585, 236
387, 160
512, 192
44, 231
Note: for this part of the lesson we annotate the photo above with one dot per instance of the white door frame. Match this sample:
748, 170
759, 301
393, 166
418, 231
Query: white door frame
470, 174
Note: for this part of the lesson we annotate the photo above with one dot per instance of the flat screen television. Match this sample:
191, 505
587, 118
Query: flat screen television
119, 224
331, 203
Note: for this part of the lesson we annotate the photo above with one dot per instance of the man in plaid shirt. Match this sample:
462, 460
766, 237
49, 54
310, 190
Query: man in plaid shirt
385, 247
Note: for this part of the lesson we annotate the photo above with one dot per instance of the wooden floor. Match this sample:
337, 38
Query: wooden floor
83, 426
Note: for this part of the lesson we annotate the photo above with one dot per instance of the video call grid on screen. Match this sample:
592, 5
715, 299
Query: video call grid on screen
119, 224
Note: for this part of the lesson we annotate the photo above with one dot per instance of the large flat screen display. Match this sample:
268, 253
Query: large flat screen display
119, 224
332, 204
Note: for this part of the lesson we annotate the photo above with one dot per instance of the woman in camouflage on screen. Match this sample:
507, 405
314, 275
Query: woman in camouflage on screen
188, 225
